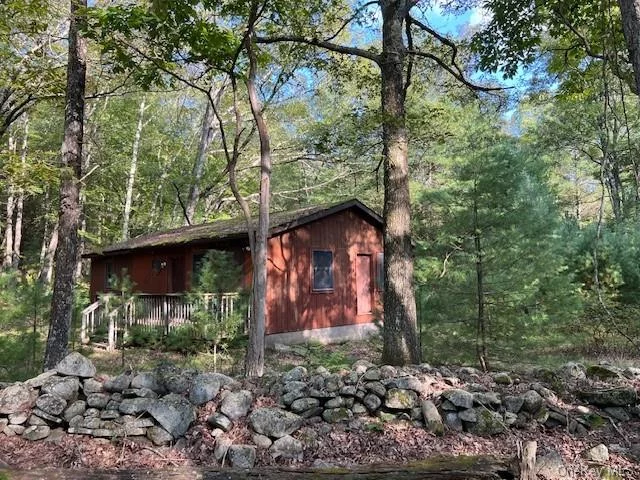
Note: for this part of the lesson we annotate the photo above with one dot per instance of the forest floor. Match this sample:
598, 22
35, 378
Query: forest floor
344, 446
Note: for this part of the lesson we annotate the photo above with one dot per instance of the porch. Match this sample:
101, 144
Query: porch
165, 312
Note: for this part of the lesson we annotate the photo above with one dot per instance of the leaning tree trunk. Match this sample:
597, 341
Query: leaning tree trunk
630, 12
69, 215
254, 364
400, 332
132, 171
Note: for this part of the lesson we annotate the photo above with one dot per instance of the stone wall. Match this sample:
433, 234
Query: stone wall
163, 404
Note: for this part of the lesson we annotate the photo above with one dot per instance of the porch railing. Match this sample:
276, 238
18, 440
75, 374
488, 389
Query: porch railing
153, 312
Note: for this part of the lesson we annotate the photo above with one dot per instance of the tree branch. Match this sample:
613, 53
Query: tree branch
314, 42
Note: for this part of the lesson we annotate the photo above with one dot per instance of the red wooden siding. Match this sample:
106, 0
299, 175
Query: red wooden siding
291, 303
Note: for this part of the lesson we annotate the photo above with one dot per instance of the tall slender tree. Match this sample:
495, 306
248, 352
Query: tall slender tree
69, 214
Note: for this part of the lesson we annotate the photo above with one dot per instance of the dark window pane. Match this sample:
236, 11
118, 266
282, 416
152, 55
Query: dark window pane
322, 270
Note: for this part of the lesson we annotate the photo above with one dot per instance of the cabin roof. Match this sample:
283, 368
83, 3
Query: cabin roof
235, 228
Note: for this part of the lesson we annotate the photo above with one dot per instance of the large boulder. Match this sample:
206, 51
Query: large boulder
205, 387
432, 418
148, 380
459, 398
16, 398
76, 365
532, 401
236, 404
487, 423
274, 422
63, 387
612, 397
400, 399
173, 412
51, 404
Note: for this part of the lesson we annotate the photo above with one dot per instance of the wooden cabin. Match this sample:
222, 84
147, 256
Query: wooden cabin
324, 276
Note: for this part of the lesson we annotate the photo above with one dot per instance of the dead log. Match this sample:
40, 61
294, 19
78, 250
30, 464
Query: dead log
437, 468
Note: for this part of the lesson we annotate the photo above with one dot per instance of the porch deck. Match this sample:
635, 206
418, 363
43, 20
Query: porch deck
165, 312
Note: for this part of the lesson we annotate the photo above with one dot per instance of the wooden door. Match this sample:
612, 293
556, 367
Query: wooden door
176, 275
364, 290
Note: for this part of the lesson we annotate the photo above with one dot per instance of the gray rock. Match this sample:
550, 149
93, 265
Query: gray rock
361, 366
18, 418
205, 387
613, 397
459, 398
34, 420
76, 408
502, 378
98, 400
598, 454
221, 447
174, 413
337, 402
135, 406
91, 385
572, 371
109, 414
388, 371
159, 436
487, 399
304, 404
148, 380
46, 416
510, 418
532, 401
513, 403
431, 417
51, 404
372, 375
603, 372
618, 413
447, 406
57, 435
290, 397
36, 432
337, 415
550, 466
242, 456
400, 399
63, 387
16, 398
274, 422
452, 421
236, 404
359, 409
487, 423
16, 429
468, 415
377, 388
118, 383
38, 381
218, 420
287, 447
631, 372
261, 441
348, 391
372, 402
406, 383
333, 383
296, 386
295, 374
76, 365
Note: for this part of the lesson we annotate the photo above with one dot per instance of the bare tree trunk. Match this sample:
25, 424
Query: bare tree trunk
46, 271
254, 363
400, 333
69, 215
630, 13
17, 230
481, 339
132, 170
207, 134
11, 203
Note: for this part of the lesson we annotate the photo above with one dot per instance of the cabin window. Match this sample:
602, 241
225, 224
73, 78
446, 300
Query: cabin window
322, 270
380, 271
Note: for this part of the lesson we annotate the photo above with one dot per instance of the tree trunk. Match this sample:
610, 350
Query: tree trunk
400, 332
69, 215
481, 339
132, 170
254, 364
630, 13
17, 229
207, 134
11, 203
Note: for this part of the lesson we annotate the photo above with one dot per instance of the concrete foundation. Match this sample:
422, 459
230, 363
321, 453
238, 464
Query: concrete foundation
342, 333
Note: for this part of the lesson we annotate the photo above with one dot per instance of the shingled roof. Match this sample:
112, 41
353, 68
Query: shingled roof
234, 228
